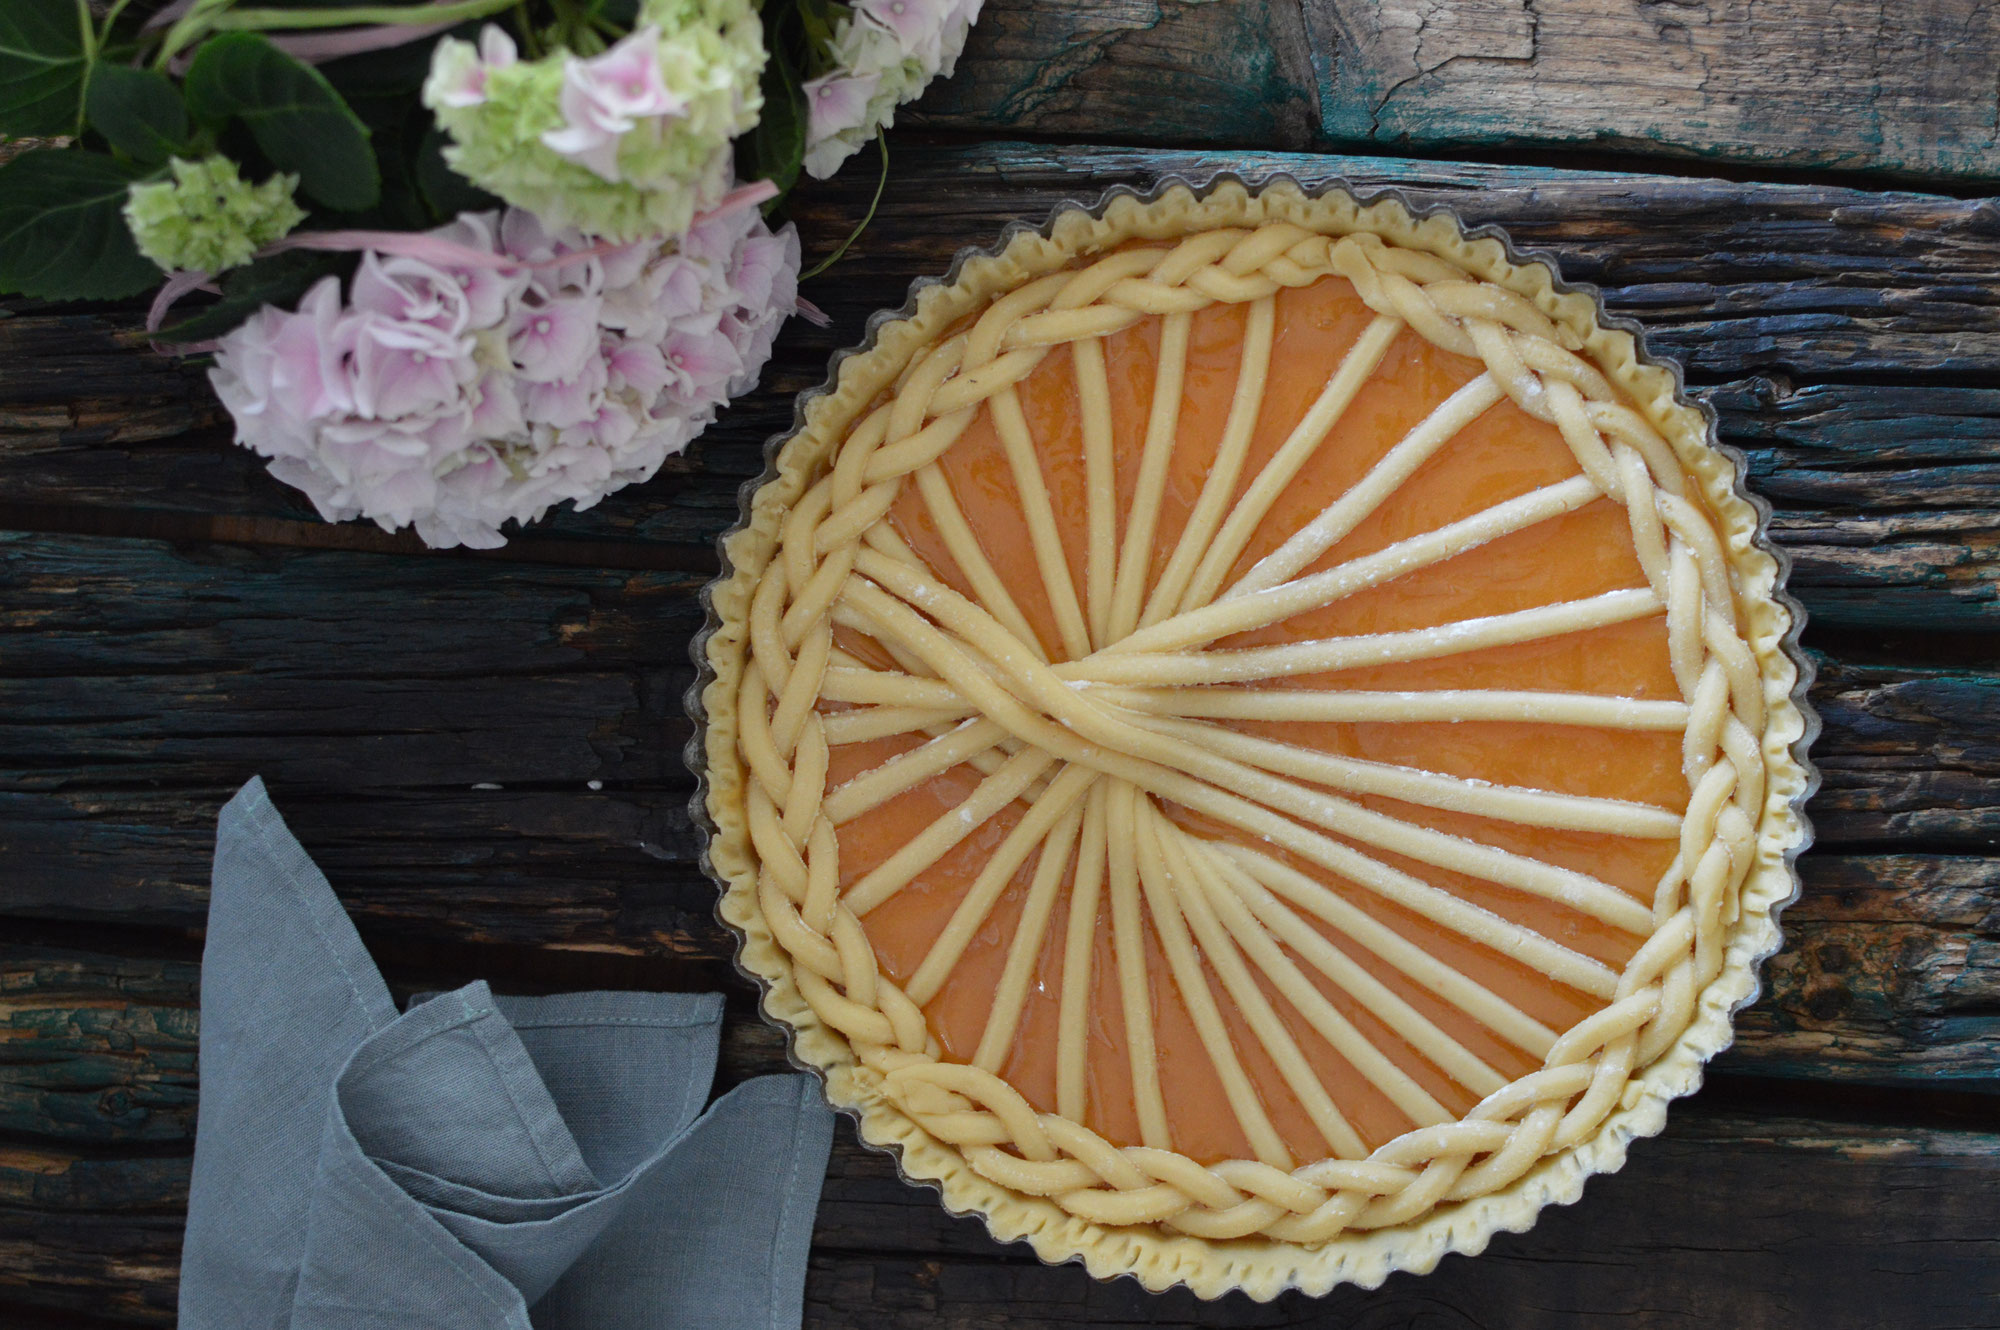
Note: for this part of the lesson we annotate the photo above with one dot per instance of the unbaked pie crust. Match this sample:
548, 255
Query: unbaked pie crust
1163, 856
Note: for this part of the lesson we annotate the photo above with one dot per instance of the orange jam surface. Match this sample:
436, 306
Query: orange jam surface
1504, 453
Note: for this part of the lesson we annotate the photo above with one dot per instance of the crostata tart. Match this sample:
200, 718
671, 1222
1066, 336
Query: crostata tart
1249, 739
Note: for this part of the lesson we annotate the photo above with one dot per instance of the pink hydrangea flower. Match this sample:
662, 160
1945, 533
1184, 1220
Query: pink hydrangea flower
553, 340
884, 53
608, 95
571, 400
458, 396
408, 290
463, 83
488, 291
637, 366
700, 360
838, 102
496, 406
919, 26
403, 370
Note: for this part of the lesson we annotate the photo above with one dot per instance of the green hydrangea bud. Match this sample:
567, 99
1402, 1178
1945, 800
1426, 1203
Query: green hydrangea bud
501, 113
208, 217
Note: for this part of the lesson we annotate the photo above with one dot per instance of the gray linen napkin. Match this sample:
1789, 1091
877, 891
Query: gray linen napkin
478, 1161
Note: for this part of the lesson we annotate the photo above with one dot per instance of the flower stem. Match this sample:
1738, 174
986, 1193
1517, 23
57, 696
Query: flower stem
370, 15
524, 28
89, 59
881, 141
111, 17
573, 29
188, 29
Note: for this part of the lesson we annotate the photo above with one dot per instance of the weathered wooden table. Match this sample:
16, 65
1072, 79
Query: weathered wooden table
484, 750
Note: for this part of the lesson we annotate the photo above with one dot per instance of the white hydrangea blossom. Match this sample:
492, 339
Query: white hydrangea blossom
629, 143
884, 55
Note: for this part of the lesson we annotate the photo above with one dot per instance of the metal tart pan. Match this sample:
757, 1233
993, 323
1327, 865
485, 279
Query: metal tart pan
1467, 1242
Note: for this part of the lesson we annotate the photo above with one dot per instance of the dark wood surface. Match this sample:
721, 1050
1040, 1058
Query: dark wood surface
483, 750
1903, 88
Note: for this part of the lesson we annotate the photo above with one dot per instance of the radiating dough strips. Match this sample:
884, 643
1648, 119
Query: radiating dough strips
1246, 724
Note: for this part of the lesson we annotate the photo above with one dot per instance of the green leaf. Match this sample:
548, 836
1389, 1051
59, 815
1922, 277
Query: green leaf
62, 228
43, 64
623, 14
818, 18
278, 280
139, 111
774, 149
297, 118
398, 143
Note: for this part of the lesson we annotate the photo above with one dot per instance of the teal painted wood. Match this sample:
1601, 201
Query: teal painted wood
440, 765
104, 1042
1863, 992
1239, 72
1851, 85
1825, 84
94, 1049
1701, 1227
99, 1050
1849, 340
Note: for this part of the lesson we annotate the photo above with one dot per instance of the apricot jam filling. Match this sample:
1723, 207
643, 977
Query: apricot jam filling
1165, 973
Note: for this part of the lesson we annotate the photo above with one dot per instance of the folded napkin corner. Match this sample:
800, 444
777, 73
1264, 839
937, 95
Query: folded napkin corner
478, 1160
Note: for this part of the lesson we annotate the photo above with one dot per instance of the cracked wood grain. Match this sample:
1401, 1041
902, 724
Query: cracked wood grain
1846, 84
83, 1228
1891, 976
1133, 71
1825, 324
433, 726
1854, 85
462, 744
1902, 1232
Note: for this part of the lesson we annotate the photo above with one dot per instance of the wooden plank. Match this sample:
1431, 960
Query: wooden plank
597, 860
132, 710
1146, 71
1702, 1223
116, 1270
1854, 85
1843, 84
1879, 489
1875, 788
95, 1049
1908, 760
64, 1181
1692, 1231
1890, 975
1825, 324
1875, 548
1734, 278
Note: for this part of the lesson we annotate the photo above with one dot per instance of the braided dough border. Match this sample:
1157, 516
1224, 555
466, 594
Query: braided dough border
1259, 1265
